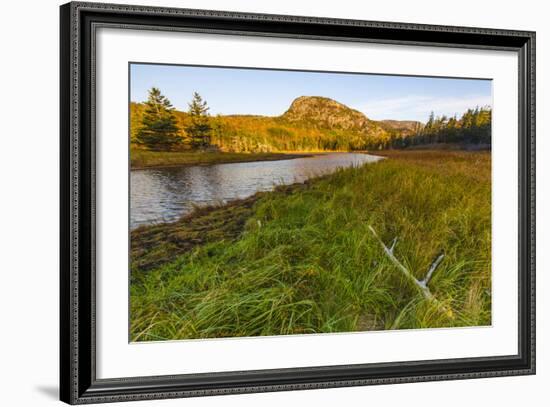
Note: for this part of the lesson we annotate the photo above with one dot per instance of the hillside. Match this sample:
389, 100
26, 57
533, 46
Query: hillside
404, 127
311, 123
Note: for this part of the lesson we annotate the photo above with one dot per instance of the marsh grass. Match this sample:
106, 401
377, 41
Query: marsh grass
303, 260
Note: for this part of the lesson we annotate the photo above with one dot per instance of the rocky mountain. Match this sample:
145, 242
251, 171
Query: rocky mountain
325, 113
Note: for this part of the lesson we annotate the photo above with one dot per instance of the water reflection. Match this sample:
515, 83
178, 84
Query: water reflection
165, 194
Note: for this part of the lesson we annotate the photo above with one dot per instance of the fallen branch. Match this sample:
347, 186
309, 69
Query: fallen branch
422, 285
431, 270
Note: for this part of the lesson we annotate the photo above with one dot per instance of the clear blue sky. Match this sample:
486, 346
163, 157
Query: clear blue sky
270, 92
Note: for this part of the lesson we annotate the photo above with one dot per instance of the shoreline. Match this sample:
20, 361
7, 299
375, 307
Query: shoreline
201, 226
251, 158
207, 209
231, 158
205, 224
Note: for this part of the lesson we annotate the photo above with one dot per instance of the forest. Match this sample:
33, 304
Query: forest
473, 128
312, 124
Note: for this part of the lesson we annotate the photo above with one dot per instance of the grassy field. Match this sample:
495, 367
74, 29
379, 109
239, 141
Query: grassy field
302, 259
147, 159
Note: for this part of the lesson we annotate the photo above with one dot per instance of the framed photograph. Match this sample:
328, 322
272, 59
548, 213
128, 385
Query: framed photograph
255, 203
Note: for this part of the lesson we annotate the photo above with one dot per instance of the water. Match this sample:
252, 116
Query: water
165, 194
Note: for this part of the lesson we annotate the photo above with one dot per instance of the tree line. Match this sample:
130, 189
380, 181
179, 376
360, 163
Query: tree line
473, 127
158, 126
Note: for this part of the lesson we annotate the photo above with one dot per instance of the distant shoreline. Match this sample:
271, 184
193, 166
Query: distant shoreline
152, 159
144, 160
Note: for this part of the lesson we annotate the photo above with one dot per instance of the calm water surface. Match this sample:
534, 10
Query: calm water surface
165, 194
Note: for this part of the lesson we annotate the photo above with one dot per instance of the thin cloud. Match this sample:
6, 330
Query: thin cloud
418, 107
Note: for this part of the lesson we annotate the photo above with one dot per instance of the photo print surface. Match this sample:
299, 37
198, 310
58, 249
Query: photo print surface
278, 202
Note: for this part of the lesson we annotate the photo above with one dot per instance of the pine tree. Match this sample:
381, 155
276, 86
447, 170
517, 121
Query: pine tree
199, 128
474, 127
158, 129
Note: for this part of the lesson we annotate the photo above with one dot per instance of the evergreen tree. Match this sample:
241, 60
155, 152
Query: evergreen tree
158, 129
199, 129
474, 127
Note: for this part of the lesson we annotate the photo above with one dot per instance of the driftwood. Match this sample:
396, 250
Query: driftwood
421, 285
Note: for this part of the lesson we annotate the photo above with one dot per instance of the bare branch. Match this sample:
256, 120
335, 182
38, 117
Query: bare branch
389, 252
434, 265
393, 244
421, 285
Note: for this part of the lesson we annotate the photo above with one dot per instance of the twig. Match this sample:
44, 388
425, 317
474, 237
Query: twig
393, 244
432, 269
422, 285
389, 252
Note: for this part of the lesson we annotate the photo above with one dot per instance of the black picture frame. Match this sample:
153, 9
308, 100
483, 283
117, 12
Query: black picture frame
78, 382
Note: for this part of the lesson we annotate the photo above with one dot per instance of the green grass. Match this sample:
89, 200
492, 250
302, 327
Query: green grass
154, 245
302, 260
147, 159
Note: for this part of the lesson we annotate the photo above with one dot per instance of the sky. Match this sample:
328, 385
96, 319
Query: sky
270, 92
